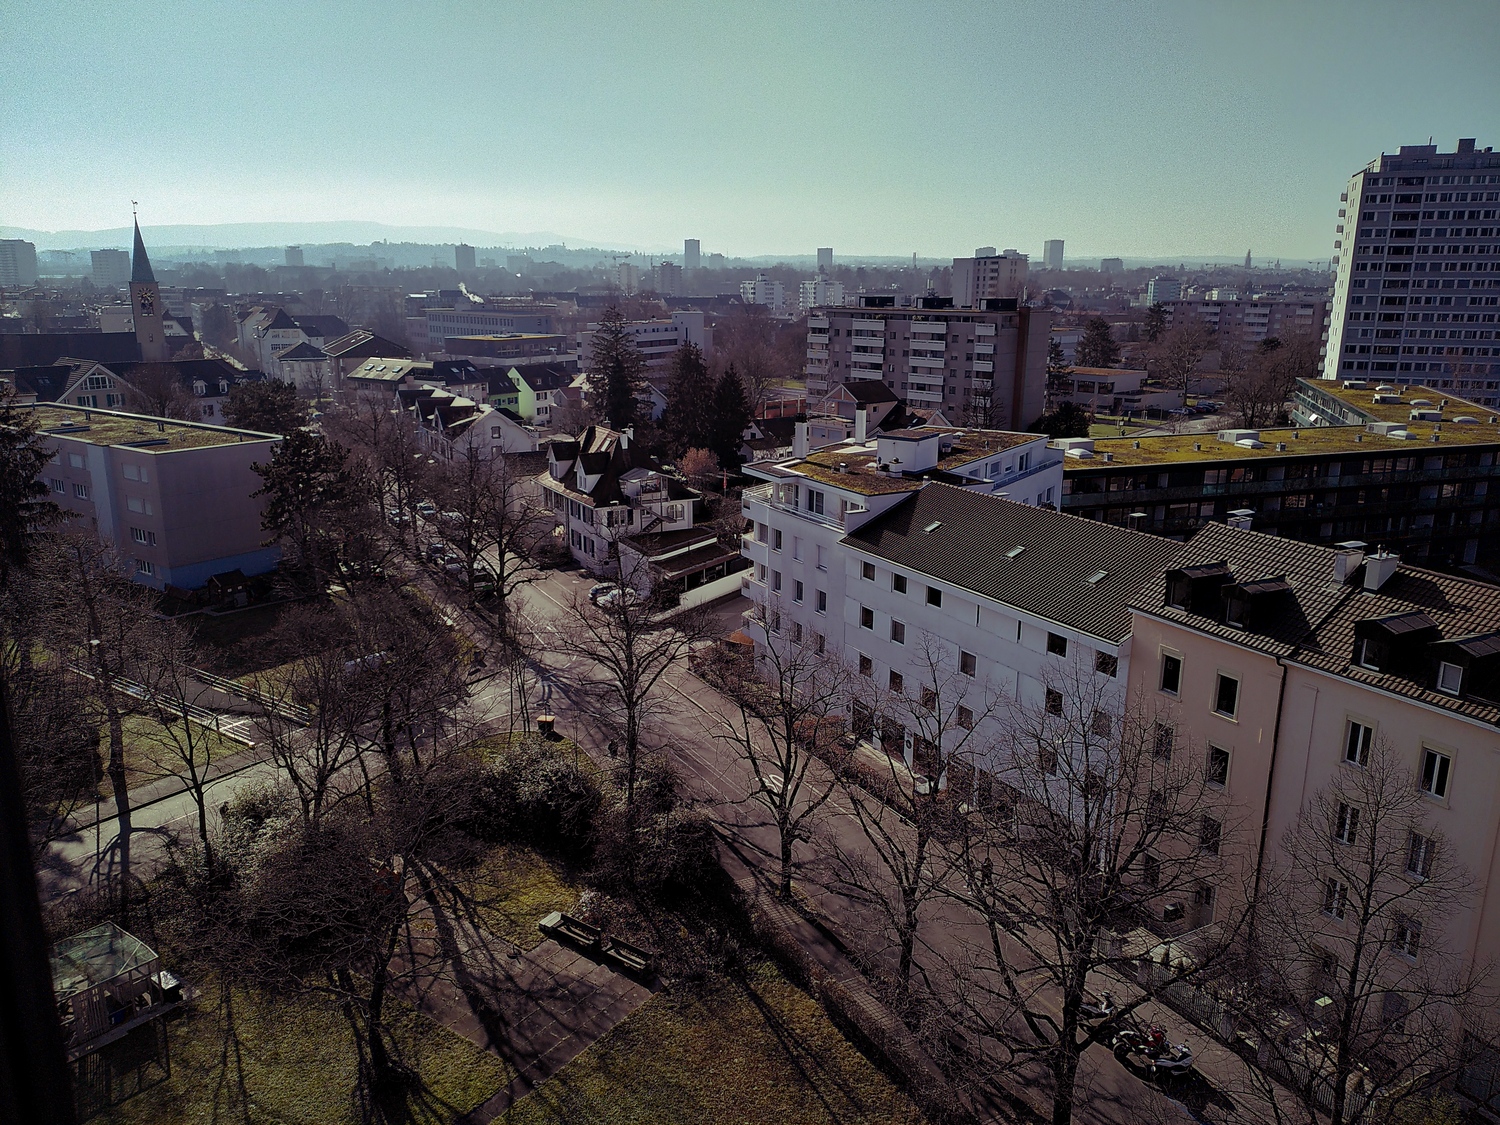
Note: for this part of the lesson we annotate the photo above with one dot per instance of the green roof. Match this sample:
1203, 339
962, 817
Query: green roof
150, 435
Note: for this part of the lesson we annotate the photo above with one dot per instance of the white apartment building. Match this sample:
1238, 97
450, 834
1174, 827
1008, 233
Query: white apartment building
764, 291
989, 360
813, 499
1418, 283
1252, 319
666, 279
819, 291
17, 262
656, 340
988, 276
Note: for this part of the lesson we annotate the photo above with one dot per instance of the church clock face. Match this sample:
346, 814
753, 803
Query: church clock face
147, 304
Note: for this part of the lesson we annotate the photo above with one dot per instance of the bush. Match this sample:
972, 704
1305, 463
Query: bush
534, 795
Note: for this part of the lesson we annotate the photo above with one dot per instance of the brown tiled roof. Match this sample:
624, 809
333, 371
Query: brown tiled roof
973, 547
1252, 557
1460, 607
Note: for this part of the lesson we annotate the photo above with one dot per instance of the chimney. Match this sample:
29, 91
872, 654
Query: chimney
1378, 569
861, 425
1346, 559
1465, 146
1240, 518
799, 440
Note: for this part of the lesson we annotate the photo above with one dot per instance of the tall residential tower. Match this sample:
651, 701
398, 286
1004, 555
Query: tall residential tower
1418, 260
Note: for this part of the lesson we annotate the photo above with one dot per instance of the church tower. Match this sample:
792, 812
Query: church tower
145, 304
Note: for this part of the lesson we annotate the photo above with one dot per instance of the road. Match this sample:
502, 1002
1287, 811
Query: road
686, 722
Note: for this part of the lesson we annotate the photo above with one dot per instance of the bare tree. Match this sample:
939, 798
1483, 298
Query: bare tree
1359, 1004
1258, 383
1177, 355
789, 700
387, 444
630, 643
937, 713
1100, 822
158, 389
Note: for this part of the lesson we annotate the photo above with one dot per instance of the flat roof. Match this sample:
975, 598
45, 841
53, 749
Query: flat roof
1306, 441
141, 431
1363, 400
860, 460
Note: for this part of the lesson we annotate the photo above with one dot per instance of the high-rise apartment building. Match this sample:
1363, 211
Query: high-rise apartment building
979, 365
1418, 282
294, 256
463, 257
666, 279
988, 276
1160, 290
1112, 265
1052, 254
820, 291
691, 254
17, 262
825, 259
764, 291
627, 278
1254, 319
111, 268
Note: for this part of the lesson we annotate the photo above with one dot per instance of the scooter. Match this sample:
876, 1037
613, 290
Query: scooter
1153, 1051
1096, 1011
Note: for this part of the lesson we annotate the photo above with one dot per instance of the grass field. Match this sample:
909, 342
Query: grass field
146, 739
758, 1052
512, 888
292, 1063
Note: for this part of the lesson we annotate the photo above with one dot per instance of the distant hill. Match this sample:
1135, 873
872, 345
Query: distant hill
235, 236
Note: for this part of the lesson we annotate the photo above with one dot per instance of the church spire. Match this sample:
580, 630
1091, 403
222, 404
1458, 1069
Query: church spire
140, 266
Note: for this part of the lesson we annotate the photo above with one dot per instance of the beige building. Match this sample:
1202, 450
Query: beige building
175, 497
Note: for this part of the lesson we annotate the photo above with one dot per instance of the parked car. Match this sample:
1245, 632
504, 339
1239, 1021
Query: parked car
435, 551
454, 570
600, 589
397, 516
426, 509
619, 596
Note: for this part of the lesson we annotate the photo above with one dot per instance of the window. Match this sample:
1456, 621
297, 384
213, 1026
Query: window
934, 596
776, 580
131, 472
1057, 645
822, 562
145, 566
1419, 852
898, 583
1335, 898
1357, 744
822, 601
867, 571
898, 632
1450, 678
796, 546
1047, 759
965, 718
866, 665
58, 486
819, 643
796, 632
866, 617
1369, 653
1150, 870
929, 697
81, 491
896, 681
761, 532
494, 430
797, 591
1054, 702
1346, 827
1227, 696
1100, 724
1210, 831
141, 536
775, 622
1406, 937
775, 539
814, 501
1162, 740
1218, 766
1179, 592
1171, 673
76, 460
967, 664
1435, 768
1106, 663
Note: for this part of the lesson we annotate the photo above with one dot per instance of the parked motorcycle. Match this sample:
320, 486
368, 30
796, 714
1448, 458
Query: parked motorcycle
1149, 1049
1097, 1011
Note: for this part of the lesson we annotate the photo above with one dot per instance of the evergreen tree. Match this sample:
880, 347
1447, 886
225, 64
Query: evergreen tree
730, 416
1156, 322
690, 395
618, 372
309, 491
270, 406
1068, 420
1097, 348
24, 506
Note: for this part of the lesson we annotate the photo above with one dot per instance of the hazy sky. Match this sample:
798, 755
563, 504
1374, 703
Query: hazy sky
1124, 128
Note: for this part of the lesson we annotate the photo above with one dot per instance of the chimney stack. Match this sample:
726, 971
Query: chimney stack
799, 440
1378, 569
1346, 559
1240, 518
861, 425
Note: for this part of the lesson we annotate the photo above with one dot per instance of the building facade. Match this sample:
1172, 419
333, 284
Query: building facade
111, 268
987, 363
1052, 254
17, 262
174, 497
988, 277
1418, 256
1251, 319
1160, 290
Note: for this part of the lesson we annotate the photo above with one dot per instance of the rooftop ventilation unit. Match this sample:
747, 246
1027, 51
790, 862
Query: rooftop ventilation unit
1014, 552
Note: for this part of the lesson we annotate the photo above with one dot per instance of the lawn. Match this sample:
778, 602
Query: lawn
295, 1063
761, 1051
512, 887
145, 738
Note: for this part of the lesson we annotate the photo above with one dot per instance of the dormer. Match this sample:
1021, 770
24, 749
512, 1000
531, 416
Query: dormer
1249, 605
1393, 643
1467, 667
200, 387
1196, 588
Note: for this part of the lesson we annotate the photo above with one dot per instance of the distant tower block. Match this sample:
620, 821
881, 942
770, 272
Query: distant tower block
1247, 260
463, 257
1052, 254
825, 259
691, 253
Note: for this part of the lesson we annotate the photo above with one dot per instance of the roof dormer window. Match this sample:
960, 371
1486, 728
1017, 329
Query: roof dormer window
1450, 678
